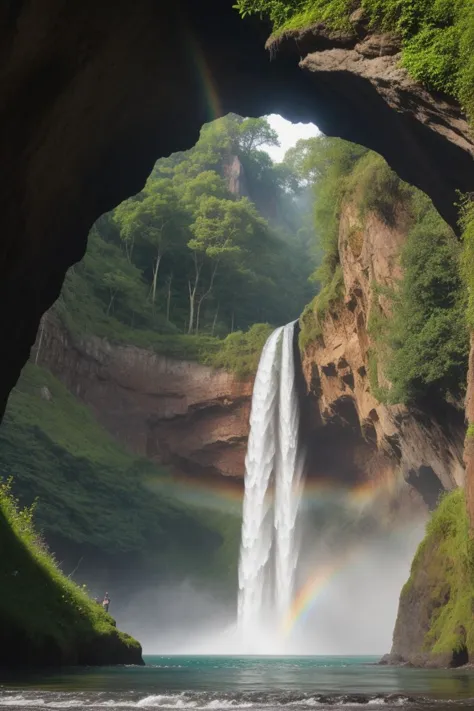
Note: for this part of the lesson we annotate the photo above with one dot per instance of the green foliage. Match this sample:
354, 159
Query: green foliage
326, 163
467, 260
422, 348
442, 573
310, 328
38, 603
424, 345
470, 431
293, 14
92, 492
240, 352
437, 36
382, 394
376, 188
163, 270
315, 312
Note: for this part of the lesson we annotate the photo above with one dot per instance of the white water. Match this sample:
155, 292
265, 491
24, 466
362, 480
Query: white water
268, 551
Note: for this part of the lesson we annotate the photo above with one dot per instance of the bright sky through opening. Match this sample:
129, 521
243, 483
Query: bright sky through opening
288, 133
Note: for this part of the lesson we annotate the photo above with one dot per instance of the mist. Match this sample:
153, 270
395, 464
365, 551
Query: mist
353, 612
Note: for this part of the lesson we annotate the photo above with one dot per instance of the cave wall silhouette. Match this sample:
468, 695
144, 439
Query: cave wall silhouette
94, 91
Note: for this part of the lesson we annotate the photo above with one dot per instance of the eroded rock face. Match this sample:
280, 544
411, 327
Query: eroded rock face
179, 413
93, 94
426, 450
421, 134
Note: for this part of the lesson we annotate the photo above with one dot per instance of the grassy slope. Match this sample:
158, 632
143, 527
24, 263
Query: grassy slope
238, 352
442, 583
91, 492
45, 618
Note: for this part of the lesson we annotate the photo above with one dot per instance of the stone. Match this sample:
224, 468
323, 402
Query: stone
182, 414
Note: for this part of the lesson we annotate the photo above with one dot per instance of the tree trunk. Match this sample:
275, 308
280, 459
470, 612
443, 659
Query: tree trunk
192, 293
111, 302
192, 297
198, 316
42, 322
129, 249
156, 267
205, 295
215, 318
168, 299
232, 323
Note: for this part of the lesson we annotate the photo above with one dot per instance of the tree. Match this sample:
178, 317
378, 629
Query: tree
199, 257
152, 223
254, 133
221, 230
206, 184
117, 283
124, 217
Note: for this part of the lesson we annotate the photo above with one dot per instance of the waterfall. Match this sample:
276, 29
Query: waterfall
268, 550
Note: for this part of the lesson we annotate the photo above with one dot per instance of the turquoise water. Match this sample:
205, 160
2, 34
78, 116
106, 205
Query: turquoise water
207, 683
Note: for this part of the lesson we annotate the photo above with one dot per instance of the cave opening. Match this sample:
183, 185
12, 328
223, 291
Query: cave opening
427, 483
115, 112
460, 657
100, 112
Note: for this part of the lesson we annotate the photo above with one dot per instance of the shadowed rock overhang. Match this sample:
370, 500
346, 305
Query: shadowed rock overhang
93, 92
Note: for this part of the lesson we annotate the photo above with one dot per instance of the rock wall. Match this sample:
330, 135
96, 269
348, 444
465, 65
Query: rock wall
434, 626
179, 413
421, 448
469, 441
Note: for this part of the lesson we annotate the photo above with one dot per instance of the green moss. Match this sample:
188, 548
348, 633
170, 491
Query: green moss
467, 260
375, 188
315, 312
470, 431
296, 14
442, 571
38, 603
382, 394
310, 328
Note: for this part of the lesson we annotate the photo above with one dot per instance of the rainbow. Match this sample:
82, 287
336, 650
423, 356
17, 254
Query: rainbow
308, 595
226, 493
219, 493
204, 77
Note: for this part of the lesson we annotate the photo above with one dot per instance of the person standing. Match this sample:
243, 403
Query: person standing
106, 602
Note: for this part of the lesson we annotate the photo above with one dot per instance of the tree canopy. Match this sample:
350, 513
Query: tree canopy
218, 239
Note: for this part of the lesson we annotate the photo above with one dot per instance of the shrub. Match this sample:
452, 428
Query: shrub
240, 352
427, 333
376, 188
315, 312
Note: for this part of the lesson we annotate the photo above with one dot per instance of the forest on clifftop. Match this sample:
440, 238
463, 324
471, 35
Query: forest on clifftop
219, 239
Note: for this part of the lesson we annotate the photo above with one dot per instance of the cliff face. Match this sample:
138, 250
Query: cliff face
394, 442
434, 625
179, 413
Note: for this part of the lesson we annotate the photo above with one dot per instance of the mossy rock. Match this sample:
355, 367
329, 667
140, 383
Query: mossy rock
435, 622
